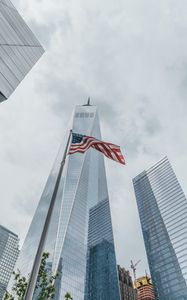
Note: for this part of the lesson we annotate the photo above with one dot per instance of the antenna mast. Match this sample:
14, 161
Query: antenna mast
88, 102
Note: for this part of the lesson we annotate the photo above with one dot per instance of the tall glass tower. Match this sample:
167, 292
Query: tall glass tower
162, 208
9, 251
19, 49
101, 275
83, 186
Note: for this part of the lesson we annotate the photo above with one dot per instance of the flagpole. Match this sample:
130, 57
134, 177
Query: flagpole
36, 266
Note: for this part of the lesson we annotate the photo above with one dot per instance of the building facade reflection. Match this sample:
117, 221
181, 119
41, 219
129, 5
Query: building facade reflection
101, 276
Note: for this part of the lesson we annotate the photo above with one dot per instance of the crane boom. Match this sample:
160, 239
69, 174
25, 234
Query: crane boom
133, 267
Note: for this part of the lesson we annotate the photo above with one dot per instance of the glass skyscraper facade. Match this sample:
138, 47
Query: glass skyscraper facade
19, 49
162, 208
8, 255
83, 186
101, 275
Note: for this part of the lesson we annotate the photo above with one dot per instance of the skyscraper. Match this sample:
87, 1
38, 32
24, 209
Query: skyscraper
144, 288
101, 275
162, 208
126, 285
8, 255
19, 49
82, 196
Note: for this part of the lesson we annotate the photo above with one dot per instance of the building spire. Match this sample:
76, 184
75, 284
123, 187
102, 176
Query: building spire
88, 103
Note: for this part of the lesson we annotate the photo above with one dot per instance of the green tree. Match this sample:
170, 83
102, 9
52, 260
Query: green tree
45, 286
68, 296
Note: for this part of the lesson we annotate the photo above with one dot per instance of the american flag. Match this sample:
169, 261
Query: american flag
80, 143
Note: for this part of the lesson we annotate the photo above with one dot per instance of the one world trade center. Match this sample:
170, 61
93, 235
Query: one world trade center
80, 237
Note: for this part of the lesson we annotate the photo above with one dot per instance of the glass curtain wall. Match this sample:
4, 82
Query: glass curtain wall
162, 208
19, 49
101, 277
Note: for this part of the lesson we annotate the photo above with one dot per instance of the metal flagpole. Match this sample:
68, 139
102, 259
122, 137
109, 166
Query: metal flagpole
36, 266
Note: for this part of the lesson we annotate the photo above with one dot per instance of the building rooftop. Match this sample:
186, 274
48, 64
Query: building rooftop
7, 230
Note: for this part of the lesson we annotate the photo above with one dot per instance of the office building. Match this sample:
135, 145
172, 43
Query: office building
162, 209
8, 255
101, 276
126, 285
144, 288
19, 49
83, 187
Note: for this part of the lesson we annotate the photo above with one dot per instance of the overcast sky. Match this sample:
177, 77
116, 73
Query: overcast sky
130, 57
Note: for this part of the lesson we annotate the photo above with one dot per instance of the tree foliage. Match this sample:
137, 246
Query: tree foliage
18, 289
68, 296
45, 286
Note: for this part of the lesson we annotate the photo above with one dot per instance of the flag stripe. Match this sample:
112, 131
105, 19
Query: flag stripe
81, 143
85, 145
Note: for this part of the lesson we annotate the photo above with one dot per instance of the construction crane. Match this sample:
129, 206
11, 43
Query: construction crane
133, 267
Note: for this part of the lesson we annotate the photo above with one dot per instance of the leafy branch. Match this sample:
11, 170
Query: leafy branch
45, 286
